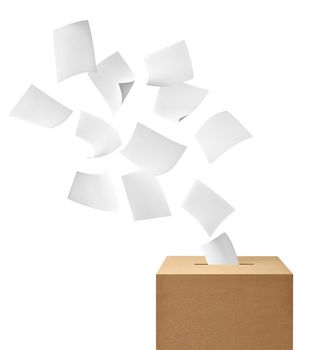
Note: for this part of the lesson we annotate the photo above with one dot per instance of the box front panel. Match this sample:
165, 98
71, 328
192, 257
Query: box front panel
224, 312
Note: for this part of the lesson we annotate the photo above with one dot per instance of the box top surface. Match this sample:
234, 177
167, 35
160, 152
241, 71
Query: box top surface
249, 265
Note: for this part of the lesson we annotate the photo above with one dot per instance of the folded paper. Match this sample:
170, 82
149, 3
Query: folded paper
114, 79
38, 108
100, 135
220, 133
95, 191
220, 251
74, 51
169, 66
151, 151
206, 206
177, 101
145, 196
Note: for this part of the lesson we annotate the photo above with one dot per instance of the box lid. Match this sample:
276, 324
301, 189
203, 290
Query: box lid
248, 265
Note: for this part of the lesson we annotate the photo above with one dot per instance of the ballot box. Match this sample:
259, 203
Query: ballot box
248, 306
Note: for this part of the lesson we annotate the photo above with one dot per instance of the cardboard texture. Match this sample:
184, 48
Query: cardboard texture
224, 307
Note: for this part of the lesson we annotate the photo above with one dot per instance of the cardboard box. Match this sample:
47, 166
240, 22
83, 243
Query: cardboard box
224, 307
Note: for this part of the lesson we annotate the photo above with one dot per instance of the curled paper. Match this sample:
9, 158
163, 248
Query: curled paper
151, 151
145, 196
74, 51
102, 136
95, 191
206, 206
114, 79
220, 251
177, 101
38, 108
169, 66
220, 133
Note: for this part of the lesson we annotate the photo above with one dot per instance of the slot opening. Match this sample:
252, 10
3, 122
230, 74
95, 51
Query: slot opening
246, 263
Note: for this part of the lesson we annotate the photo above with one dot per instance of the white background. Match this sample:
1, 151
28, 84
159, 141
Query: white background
76, 278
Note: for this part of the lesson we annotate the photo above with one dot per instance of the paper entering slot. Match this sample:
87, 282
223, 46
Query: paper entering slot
220, 251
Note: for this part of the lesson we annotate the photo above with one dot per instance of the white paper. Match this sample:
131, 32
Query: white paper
220, 251
220, 133
114, 79
169, 66
151, 151
103, 137
177, 101
145, 196
95, 191
206, 206
74, 51
38, 108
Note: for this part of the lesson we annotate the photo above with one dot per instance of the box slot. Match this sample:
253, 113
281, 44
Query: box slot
239, 263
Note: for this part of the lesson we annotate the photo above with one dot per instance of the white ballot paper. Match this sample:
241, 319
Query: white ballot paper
206, 206
103, 137
145, 196
38, 108
74, 51
177, 101
169, 66
95, 191
151, 151
219, 133
114, 80
220, 251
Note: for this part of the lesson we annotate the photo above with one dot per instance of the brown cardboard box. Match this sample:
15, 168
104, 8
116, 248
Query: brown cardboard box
224, 307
